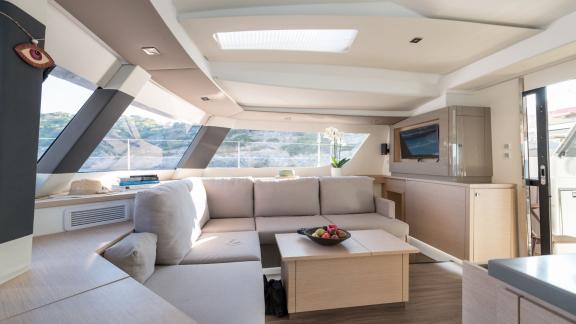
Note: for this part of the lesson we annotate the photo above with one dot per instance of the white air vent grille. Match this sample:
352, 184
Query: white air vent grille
94, 215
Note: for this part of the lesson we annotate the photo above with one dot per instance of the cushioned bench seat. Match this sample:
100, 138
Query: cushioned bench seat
220, 293
219, 225
370, 221
267, 227
224, 247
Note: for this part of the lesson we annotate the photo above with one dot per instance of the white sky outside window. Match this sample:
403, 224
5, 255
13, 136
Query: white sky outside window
60, 95
561, 95
311, 40
62, 98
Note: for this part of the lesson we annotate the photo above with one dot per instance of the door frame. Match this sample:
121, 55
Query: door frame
543, 181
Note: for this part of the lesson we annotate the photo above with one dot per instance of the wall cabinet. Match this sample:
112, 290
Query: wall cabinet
468, 221
465, 145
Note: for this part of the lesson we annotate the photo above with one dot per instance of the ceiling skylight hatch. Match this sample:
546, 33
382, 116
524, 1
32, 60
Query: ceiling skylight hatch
307, 40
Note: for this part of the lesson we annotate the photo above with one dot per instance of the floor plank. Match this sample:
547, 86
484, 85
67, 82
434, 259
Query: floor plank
435, 297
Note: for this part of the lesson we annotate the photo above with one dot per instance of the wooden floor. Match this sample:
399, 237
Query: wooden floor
435, 297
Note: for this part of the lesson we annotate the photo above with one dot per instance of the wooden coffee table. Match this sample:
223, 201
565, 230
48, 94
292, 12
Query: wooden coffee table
369, 268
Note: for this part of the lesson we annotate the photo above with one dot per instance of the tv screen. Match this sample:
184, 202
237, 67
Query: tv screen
420, 143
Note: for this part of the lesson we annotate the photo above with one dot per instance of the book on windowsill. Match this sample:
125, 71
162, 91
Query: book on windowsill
138, 183
134, 187
151, 177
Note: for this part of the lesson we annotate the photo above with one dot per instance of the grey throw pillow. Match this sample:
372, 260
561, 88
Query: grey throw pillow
167, 211
135, 254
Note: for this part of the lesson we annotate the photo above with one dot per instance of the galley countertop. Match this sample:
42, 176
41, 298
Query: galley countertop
552, 278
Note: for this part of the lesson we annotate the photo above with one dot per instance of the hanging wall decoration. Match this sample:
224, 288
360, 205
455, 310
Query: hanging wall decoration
30, 52
34, 55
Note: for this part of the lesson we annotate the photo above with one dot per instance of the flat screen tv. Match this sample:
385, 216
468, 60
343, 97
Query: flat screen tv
420, 143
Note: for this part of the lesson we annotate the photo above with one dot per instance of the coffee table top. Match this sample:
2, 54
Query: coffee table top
362, 243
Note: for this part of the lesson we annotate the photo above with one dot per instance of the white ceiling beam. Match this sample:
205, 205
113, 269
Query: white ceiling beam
560, 33
330, 111
169, 15
388, 9
330, 77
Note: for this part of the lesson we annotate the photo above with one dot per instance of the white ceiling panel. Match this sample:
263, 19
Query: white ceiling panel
533, 13
256, 95
382, 42
536, 13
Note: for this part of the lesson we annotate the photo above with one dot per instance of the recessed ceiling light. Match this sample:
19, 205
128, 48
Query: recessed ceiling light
151, 50
416, 40
311, 40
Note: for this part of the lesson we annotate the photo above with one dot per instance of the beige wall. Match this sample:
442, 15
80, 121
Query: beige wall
505, 102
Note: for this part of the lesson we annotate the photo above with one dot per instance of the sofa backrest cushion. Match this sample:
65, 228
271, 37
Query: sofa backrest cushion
167, 211
230, 197
135, 254
201, 213
346, 195
286, 197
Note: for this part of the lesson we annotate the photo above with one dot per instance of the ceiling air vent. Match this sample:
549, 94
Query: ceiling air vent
94, 215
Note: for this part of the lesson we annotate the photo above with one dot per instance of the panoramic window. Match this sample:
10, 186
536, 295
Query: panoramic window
63, 94
142, 140
260, 149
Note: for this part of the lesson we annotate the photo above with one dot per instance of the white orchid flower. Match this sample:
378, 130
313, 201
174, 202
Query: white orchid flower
336, 138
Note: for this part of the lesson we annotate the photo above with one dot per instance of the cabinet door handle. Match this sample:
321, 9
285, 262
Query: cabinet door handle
476, 194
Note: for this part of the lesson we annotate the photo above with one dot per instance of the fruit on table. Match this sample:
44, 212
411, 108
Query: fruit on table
329, 232
319, 232
331, 228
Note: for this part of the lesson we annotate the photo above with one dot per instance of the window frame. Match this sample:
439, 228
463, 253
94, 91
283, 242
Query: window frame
321, 143
77, 80
140, 106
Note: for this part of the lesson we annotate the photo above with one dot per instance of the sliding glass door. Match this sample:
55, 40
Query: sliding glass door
550, 167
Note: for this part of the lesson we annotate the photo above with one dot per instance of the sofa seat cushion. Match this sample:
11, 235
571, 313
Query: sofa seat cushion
224, 247
267, 227
370, 221
286, 197
346, 195
220, 225
230, 197
220, 293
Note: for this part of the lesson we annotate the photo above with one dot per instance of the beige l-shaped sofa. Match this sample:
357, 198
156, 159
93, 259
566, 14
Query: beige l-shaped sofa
217, 276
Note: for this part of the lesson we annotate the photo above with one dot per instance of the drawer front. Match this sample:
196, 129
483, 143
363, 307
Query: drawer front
532, 313
349, 282
395, 185
507, 304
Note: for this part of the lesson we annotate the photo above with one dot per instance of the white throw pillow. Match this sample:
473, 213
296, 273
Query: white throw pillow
167, 211
135, 254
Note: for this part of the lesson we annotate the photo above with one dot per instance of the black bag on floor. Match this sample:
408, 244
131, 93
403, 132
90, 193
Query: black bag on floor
275, 298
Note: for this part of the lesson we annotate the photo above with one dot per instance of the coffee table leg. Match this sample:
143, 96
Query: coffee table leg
405, 276
289, 280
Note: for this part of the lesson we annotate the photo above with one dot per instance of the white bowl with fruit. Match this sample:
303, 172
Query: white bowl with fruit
326, 235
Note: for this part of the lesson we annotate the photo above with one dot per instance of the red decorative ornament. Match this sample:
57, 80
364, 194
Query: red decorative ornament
34, 55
